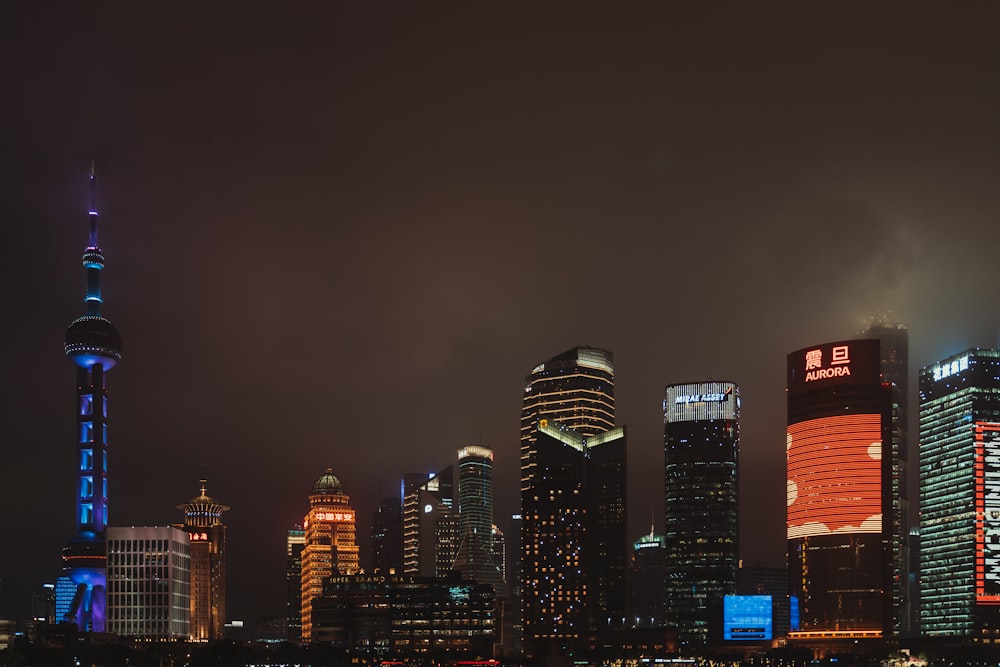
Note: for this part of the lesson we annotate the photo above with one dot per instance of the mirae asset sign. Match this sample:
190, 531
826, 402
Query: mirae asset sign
839, 366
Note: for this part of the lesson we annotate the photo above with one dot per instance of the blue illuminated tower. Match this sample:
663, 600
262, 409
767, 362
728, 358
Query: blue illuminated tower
94, 345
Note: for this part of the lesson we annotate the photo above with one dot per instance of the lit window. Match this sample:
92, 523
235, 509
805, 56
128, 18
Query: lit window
86, 459
86, 405
86, 432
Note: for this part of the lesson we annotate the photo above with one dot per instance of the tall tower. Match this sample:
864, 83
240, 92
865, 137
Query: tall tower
960, 497
839, 488
294, 544
475, 557
701, 504
330, 545
430, 524
573, 543
207, 534
95, 346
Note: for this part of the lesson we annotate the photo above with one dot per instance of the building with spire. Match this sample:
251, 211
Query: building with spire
330, 546
94, 346
207, 535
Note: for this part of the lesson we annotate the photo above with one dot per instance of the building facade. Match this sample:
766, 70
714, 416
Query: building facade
476, 556
94, 346
295, 542
149, 583
387, 536
840, 502
567, 416
430, 525
330, 546
701, 505
647, 585
960, 497
207, 535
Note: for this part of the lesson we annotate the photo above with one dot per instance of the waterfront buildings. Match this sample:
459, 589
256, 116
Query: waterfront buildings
574, 550
330, 546
960, 497
701, 505
839, 495
149, 583
94, 346
207, 535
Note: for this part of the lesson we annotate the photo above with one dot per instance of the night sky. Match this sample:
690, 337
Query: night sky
340, 234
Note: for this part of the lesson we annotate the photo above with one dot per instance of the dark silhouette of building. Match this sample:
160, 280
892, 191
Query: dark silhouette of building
647, 584
701, 505
295, 542
840, 493
387, 536
768, 580
207, 534
94, 346
574, 391
960, 497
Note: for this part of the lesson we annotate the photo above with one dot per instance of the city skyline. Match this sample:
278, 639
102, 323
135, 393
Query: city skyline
340, 238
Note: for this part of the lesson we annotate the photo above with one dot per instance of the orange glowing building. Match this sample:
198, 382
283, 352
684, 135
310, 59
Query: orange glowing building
203, 524
330, 546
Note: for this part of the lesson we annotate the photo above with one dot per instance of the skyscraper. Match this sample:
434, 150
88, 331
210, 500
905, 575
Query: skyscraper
574, 548
330, 546
840, 492
475, 556
894, 357
701, 504
647, 591
430, 524
207, 535
387, 536
94, 345
294, 544
960, 496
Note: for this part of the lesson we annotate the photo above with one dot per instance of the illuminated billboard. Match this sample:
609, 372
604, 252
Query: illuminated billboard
701, 401
987, 475
747, 617
834, 475
843, 362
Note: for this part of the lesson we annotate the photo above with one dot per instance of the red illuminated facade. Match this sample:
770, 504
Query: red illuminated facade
840, 499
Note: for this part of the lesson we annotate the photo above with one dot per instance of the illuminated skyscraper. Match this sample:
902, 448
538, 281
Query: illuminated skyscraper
430, 525
294, 544
574, 548
94, 345
840, 492
330, 547
207, 534
960, 497
475, 556
701, 504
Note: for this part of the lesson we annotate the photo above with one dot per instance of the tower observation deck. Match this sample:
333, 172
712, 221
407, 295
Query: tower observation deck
94, 346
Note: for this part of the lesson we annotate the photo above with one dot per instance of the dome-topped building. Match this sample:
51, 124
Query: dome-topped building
207, 534
330, 542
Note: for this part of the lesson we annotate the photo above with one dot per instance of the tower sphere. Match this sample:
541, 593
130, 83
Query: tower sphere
92, 339
328, 484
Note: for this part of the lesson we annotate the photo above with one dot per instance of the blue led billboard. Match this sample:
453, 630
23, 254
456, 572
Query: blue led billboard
747, 617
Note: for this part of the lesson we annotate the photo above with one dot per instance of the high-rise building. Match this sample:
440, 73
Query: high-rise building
149, 583
960, 497
294, 544
207, 534
387, 536
701, 505
95, 346
840, 501
894, 357
430, 525
647, 584
330, 546
573, 502
475, 557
